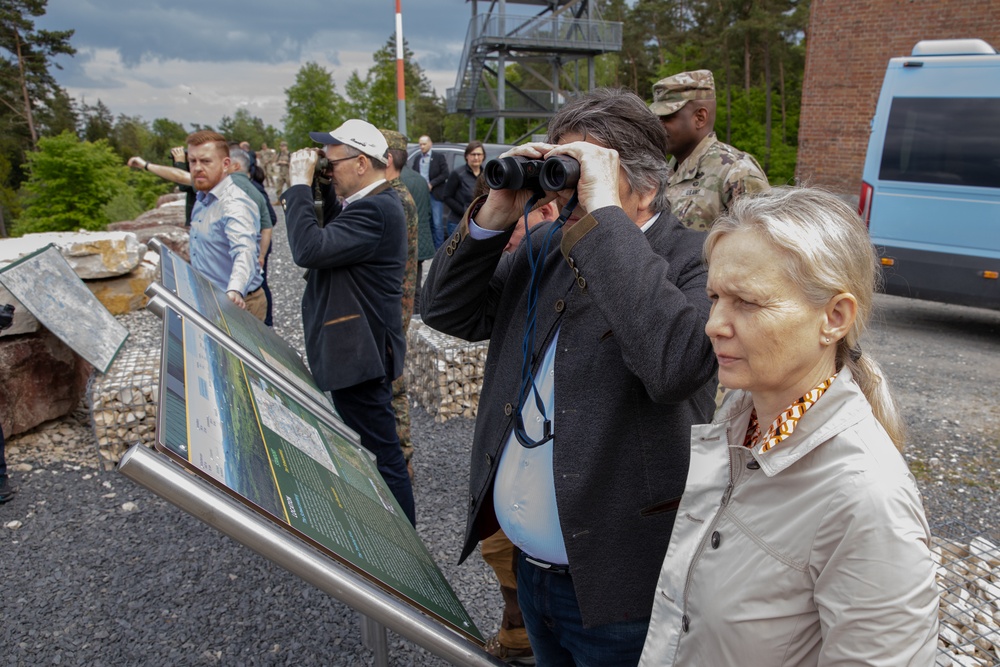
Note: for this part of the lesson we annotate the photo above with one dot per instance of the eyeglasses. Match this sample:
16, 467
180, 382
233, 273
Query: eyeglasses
477, 154
341, 159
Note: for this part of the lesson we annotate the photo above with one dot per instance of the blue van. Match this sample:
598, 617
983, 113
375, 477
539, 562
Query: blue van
931, 183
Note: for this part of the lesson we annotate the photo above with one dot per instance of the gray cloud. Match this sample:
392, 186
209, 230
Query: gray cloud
229, 30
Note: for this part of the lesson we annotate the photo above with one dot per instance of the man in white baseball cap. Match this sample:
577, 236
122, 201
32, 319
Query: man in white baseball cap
352, 304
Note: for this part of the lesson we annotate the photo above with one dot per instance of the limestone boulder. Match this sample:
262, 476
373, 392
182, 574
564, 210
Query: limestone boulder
165, 223
168, 214
126, 293
171, 198
41, 378
91, 255
175, 238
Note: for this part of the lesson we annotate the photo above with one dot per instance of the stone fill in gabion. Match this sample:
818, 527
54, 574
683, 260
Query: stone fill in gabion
123, 404
444, 374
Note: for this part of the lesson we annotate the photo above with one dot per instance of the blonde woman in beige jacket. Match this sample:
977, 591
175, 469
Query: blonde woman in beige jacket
801, 538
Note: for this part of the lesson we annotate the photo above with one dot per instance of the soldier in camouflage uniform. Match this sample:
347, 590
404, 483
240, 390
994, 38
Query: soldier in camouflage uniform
706, 174
400, 399
281, 165
266, 158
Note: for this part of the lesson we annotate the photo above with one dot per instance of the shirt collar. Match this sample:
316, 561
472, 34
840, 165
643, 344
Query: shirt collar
649, 223
362, 192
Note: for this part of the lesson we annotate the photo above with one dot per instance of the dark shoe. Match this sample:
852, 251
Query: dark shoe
7, 490
514, 656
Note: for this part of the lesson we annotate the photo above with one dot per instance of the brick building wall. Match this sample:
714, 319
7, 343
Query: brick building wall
849, 44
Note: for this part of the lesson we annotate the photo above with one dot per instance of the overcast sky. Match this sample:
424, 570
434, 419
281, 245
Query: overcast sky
195, 62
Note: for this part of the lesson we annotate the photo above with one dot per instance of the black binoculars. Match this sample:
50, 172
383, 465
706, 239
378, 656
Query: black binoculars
559, 172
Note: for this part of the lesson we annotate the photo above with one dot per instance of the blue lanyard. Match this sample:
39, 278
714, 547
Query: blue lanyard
536, 265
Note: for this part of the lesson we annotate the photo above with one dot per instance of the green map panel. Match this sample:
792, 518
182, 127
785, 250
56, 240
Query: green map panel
233, 426
253, 335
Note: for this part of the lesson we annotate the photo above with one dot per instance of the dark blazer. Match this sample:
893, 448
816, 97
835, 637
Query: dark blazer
438, 173
633, 371
352, 305
458, 191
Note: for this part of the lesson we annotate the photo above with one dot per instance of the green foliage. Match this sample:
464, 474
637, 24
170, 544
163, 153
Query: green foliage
25, 56
47, 110
70, 182
748, 133
167, 134
243, 126
123, 206
752, 47
147, 188
10, 207
98, 121
373, 97
313, 104
131, 136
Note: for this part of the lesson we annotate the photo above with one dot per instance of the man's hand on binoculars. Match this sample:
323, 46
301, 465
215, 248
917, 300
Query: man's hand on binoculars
301, 166
599, 173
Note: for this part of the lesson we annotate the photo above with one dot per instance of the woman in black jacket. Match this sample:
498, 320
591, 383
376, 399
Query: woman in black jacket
461, 182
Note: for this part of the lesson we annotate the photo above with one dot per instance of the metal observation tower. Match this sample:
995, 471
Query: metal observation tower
562, 32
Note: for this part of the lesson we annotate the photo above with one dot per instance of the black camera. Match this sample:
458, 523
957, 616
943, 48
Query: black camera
559, 172
6, 316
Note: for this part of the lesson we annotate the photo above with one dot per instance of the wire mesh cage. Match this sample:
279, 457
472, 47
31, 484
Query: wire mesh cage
968, 575
444, 374
123, 404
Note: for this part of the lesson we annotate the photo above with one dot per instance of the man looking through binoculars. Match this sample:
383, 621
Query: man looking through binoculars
352, 305
598, 366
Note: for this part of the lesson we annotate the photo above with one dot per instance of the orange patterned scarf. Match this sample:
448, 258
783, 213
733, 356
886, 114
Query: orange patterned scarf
784, 424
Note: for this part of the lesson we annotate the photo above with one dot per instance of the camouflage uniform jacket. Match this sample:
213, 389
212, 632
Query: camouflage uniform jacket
410, 275
701, 188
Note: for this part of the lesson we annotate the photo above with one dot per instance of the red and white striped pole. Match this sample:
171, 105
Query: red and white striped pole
400, 77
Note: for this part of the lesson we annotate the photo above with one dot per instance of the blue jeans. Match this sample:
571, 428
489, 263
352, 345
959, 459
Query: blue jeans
452, 226
437, 221
555, 627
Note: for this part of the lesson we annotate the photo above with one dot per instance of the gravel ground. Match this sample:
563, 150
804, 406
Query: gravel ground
98, 571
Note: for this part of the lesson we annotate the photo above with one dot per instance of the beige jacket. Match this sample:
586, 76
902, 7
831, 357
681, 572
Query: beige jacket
819, 557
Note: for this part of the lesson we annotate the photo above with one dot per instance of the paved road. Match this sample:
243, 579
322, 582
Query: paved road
944, 365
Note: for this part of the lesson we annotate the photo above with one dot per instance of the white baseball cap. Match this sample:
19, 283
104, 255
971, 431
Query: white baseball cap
358, 134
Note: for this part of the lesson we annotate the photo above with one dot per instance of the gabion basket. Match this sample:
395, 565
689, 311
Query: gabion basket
123, 404
968, 575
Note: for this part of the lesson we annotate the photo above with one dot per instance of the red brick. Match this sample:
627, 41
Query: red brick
848, 45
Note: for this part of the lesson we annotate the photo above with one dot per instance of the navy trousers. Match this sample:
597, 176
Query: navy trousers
367, 409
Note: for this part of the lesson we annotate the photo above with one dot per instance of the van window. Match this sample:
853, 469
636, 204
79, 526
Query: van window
949, 141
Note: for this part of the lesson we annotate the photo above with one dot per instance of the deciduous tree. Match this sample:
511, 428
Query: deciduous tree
69, 184
312, 104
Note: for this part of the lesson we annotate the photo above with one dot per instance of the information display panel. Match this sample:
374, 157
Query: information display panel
250, 333
226, 422
47, 285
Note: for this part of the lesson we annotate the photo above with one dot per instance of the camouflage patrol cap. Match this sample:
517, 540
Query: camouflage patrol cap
396, 140
672, 93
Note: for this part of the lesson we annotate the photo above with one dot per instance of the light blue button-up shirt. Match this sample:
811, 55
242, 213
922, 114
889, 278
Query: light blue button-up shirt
425, 165
225, 228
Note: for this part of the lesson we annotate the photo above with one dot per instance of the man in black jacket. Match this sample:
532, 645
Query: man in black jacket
351, 308
434, 168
